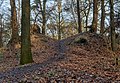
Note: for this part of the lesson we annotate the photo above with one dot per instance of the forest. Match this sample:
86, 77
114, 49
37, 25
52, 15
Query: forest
59, 41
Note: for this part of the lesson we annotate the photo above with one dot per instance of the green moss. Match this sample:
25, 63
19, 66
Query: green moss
26, 55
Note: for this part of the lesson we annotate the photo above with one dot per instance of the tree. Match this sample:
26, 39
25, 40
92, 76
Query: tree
87, 13
79, 18
26, 55
112, 28
44, 16
19, 15
102, 17
95, 15
40, 9
59, 26
14, 24
1, 30
1, 25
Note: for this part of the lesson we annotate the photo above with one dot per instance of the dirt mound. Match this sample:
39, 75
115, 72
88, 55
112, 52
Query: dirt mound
94, 43
42, 47
94, 57
85, 57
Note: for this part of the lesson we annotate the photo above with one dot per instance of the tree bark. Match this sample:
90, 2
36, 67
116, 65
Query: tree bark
14, 24
95, 15
26, 55
59, 29
19, 15
112, 31
79, 18
44, 17
1, 30
112, 28
102, 25
87, 14
59, 26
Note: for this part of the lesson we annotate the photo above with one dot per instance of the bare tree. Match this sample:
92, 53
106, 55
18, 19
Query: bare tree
59, 26
19, 15
79, 18
1, 30
86, 12
1, 25
112, 29
44, 16
102, 25
26, 55
41, 9
14, 24
95, 15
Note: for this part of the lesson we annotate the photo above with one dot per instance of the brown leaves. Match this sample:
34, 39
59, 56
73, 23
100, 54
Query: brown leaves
82, 63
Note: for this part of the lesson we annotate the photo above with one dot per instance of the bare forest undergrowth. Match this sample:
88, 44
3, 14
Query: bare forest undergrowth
68, 60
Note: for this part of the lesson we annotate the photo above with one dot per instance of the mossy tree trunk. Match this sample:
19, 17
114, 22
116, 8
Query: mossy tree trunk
26, 55
112, 30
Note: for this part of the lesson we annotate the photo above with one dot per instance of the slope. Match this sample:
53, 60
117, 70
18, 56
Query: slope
82, 58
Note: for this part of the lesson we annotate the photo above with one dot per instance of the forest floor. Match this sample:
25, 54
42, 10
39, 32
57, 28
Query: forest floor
64, 61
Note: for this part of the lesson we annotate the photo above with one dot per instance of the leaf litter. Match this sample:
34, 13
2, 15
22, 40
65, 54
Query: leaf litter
62, 61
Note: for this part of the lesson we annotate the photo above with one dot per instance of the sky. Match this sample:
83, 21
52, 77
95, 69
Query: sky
5, 6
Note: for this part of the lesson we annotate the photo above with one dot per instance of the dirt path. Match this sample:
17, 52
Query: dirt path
18, 73
34, 72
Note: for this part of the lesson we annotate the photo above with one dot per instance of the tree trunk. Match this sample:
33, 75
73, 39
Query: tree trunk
102, 17
1, 43
73, 11
1, 30
113, 44
79, 18
112, 30
59, 29
87, 15
14, 25
44, 17
26, 55
95, 15
19, 16
59, 26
